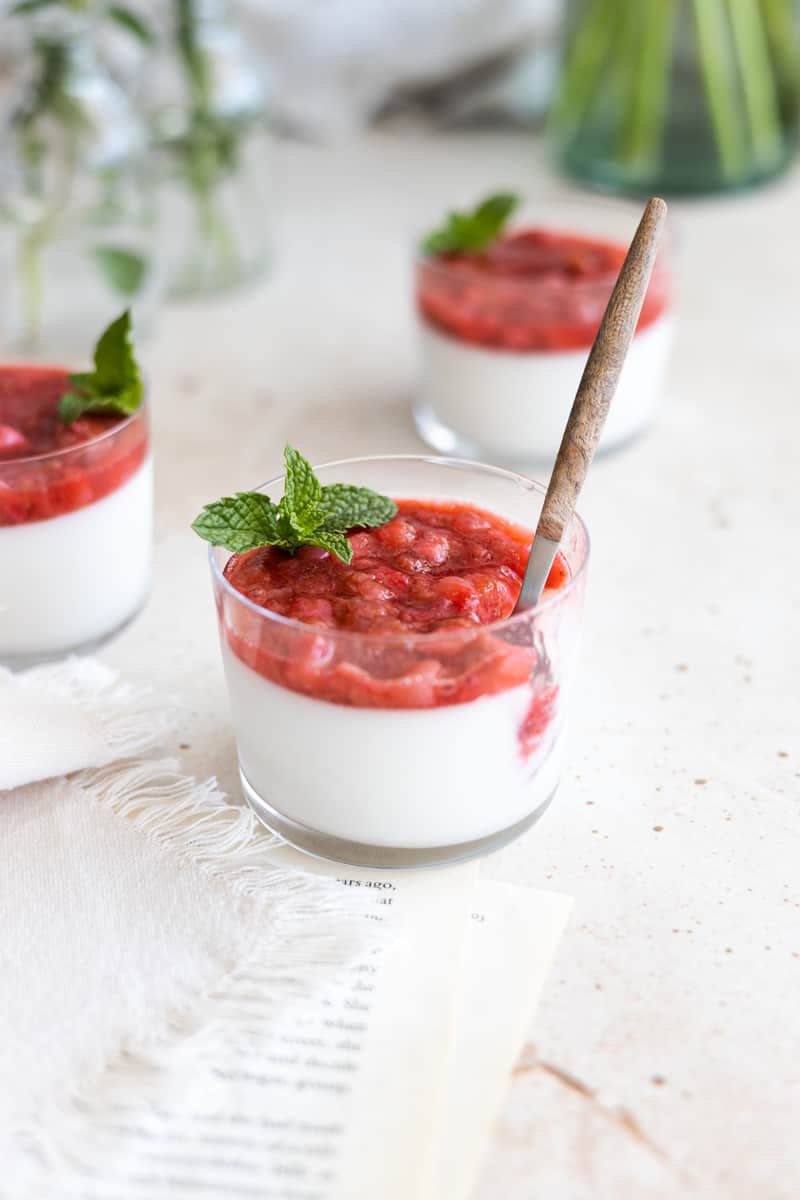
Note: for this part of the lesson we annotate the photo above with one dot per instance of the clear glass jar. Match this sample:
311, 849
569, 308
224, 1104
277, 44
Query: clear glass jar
75, 528
346, 747
677, 95
206, 98
78, 226
504, 335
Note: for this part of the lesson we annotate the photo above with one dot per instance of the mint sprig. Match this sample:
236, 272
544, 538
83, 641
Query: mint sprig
472, 230
307, 515
114, 386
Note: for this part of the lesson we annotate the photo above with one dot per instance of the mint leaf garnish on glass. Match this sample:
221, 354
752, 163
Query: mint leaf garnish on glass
308, 514
472, 230
114, 386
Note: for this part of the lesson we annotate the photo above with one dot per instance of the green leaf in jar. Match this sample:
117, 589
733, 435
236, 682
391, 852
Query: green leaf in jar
123, 270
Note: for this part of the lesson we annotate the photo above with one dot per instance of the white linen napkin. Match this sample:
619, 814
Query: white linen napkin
66, 716
127, 893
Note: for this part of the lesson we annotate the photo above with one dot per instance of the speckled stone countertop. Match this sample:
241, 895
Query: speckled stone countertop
665, 1058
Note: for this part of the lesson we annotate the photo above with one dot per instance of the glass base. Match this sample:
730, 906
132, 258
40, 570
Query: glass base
19, 662
446, 441
359, 854
192, 280
697, 177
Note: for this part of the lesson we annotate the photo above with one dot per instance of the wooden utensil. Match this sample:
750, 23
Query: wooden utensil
590, 407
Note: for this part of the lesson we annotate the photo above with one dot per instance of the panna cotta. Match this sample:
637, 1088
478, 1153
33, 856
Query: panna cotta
75, 519
504, 335
391, 710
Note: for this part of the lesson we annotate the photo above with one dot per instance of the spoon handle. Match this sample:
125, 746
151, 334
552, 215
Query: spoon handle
601, 375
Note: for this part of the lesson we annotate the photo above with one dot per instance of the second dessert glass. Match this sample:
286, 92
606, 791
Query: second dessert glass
75, 531
412, 749
504, 334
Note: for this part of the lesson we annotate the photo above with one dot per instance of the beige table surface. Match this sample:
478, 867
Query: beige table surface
665, 1058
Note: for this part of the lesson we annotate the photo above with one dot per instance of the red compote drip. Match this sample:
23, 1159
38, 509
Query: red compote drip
534, 289
440, 569
38, 480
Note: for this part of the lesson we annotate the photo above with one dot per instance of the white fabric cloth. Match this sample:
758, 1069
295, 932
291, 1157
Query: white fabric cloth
62, 718
127, 893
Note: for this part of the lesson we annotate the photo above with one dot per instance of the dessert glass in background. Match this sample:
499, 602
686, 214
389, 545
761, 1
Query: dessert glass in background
76, 511
414, 748
505, 333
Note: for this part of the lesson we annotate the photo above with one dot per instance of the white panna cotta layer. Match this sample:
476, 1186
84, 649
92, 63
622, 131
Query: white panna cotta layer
401, 778
71, 580
514, 404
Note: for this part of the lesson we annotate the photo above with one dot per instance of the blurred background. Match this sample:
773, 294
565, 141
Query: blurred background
121, 121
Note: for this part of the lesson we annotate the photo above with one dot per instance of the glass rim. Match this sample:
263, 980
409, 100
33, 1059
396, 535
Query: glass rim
514, 621
64, 451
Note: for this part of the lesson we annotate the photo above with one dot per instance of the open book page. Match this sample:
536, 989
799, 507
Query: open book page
512, 935
335, 1099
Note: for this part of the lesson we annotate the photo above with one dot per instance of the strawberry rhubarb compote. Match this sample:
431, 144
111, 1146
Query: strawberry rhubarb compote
75, 518
391, 710
505, 333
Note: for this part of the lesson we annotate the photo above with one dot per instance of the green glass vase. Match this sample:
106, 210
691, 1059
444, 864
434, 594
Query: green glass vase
677, 96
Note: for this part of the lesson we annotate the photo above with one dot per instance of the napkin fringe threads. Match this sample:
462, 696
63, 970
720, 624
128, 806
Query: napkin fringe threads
313, 931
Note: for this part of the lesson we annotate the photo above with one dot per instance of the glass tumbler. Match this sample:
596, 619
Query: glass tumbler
75, 532
411, 749
504, 334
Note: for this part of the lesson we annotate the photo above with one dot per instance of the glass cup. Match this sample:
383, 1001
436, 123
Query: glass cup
502, 351
75, 540
351, 745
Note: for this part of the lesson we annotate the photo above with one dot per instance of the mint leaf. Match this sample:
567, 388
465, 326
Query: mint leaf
335, 543
114, 386
308, 514
239, 523
124, 270
115, 367
465, 231
70, 407
302, 492
345, 507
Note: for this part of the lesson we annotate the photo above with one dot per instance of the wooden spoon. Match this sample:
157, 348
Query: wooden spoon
590, 408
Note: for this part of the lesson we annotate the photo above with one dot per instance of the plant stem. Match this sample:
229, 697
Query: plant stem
30, 281
645, 110
758, 84
204, 163
584, 60
716, 69
781, 32
213, 227
33, 244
